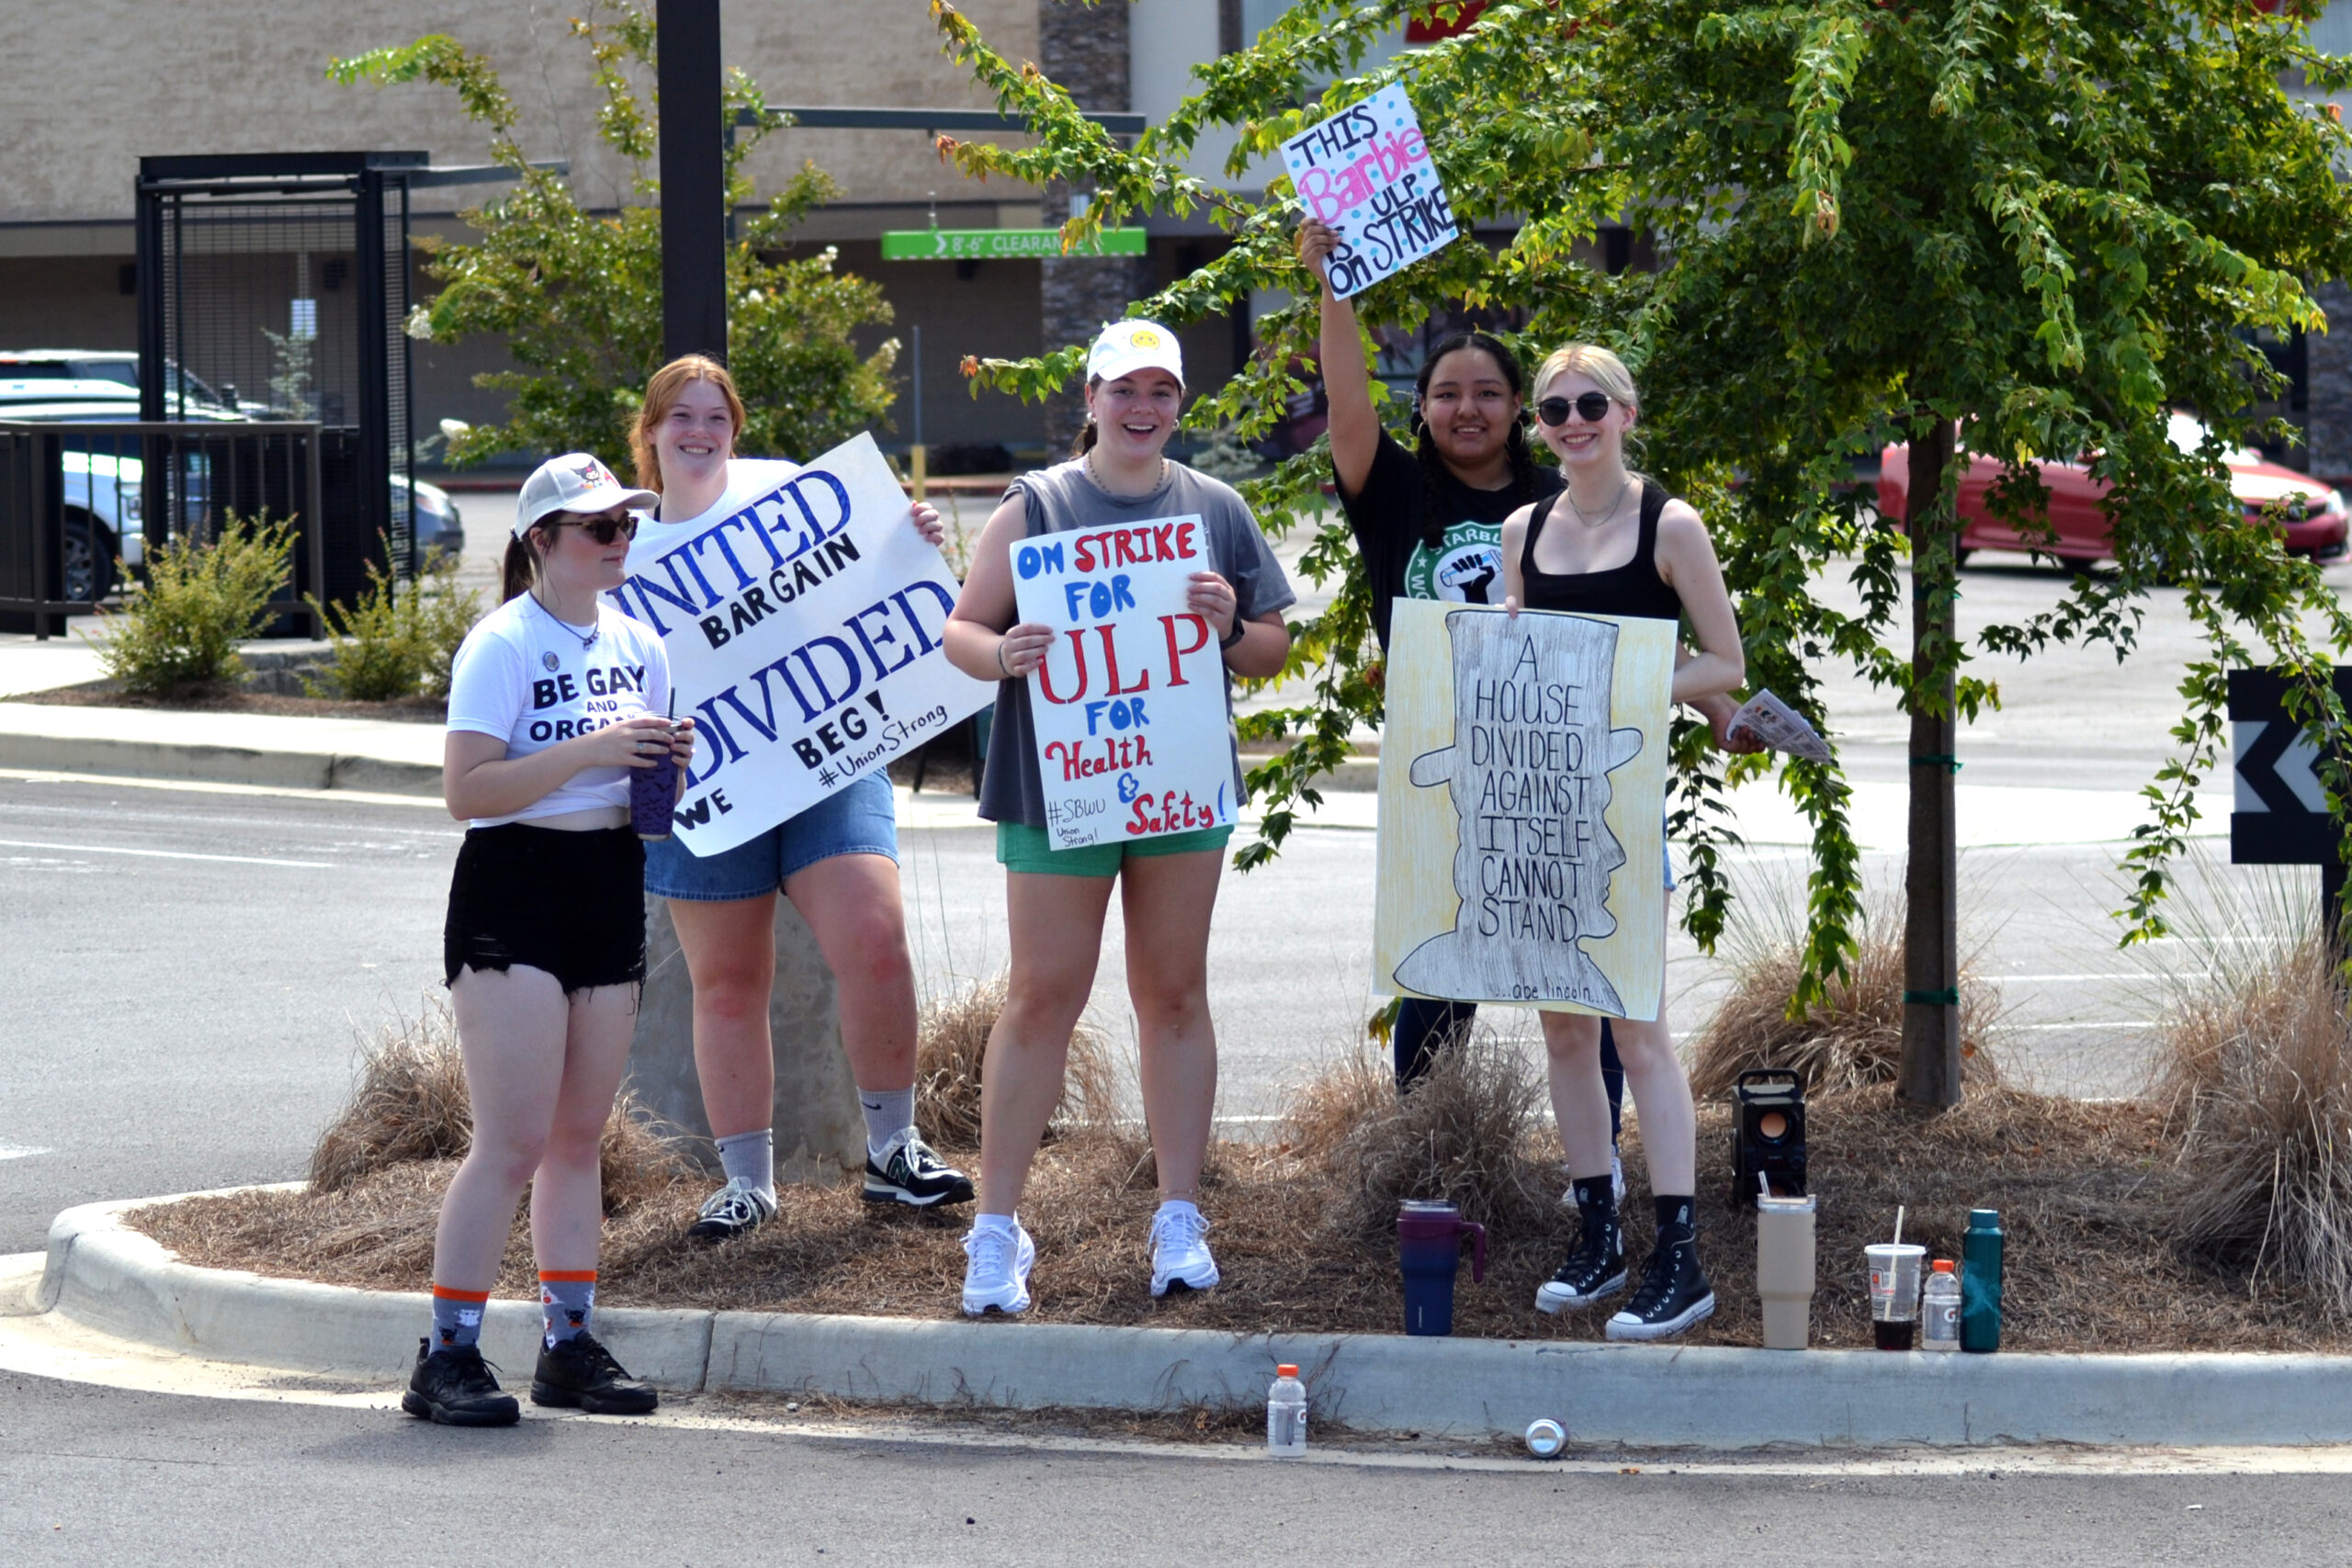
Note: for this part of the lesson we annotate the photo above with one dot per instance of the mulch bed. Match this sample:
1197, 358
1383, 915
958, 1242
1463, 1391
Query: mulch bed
2084, 1190
107, 694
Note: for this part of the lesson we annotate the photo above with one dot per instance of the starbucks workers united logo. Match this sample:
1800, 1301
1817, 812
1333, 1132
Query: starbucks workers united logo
1468, 570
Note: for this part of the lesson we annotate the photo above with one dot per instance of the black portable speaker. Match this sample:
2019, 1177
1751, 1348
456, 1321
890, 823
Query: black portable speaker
1767, 1134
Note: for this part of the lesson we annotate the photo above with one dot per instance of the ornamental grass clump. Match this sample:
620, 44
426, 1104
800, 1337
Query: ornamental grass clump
2256, 1083
202, 597
951, 1039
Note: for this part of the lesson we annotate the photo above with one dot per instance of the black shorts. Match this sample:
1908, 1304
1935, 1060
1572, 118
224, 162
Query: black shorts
572, 904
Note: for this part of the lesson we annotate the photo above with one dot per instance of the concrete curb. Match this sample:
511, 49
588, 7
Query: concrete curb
106, 1277
217, 764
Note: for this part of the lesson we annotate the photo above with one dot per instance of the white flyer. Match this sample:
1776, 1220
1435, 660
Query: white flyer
1367, 173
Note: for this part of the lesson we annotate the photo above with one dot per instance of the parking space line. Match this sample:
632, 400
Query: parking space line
165, 854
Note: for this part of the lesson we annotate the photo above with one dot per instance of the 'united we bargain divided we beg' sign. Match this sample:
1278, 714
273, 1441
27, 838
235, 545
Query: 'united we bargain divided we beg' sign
1129, 705
803, 635
1367, 173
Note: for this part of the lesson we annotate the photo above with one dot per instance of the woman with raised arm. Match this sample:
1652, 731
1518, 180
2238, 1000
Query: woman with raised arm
1613, 543
837, 861
554, 697
1056, 898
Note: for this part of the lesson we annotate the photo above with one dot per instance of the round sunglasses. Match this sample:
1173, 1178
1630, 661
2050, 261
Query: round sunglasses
604, 530
1593, 406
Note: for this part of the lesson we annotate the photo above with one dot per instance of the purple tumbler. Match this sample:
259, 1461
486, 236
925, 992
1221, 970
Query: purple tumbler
653, 795
1429, 1247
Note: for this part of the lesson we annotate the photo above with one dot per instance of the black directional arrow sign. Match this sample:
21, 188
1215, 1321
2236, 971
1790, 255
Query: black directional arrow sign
2282, 814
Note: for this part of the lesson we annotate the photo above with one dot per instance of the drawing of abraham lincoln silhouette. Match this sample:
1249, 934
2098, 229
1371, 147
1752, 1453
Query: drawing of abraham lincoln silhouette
1528, 775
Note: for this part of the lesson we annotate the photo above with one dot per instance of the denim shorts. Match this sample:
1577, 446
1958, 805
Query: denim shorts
543, 898
860, 820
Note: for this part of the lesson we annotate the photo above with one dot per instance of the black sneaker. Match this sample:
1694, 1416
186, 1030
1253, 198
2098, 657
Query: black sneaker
1595, 1269
1674, 1295
455, 1388
578, 1373
730, 1212
908, 1172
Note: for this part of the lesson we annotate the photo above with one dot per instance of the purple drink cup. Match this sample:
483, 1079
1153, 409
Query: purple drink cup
653, 796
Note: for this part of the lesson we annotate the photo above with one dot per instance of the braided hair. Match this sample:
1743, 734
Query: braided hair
1433, 468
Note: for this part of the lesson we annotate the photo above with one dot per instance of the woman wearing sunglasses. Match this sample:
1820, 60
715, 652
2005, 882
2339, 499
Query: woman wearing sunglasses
553, 698
1612, 543
838, 861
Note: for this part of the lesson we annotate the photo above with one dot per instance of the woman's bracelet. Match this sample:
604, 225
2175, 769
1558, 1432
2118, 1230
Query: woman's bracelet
1240, 629
1000, 659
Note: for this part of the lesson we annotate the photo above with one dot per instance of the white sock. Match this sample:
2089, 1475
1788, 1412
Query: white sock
888, 1113
1003, 1224
750, 1159
1178, 1206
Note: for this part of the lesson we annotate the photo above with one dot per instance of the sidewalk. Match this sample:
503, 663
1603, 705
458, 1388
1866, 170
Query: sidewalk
100, 1277
393, 758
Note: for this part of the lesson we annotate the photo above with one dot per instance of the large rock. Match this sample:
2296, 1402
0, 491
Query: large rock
819, 1135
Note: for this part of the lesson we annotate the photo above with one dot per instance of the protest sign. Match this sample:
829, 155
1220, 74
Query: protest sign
1367, 173
803, 635
1522, 793
1133, 738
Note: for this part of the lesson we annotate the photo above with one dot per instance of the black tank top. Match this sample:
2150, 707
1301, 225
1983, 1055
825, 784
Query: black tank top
1635, 589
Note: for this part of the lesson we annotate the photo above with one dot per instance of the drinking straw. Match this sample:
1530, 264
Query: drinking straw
1765, 1182
1898, 1224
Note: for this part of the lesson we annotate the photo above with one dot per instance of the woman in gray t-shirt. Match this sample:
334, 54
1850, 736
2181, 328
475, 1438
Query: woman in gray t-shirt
1056, 897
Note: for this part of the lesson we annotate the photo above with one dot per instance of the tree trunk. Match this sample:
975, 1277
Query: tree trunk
1930, 1068
819, 1135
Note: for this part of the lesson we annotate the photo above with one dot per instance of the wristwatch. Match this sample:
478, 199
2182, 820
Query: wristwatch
1229, 638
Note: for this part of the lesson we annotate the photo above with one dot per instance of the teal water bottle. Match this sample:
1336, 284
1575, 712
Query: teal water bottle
1980, 1282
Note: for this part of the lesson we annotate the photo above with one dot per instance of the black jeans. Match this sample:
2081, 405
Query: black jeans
1425, 1027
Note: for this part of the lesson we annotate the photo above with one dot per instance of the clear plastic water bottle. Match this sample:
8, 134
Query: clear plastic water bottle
1286, 1414
1940, 1308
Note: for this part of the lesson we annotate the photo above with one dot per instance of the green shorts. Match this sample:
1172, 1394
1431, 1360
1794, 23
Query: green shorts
1019, 847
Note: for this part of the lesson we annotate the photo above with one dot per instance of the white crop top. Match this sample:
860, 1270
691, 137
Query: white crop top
527, 678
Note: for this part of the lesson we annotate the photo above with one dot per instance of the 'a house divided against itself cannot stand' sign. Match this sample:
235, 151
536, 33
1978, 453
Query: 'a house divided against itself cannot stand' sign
1522, 793
1128, 707
803, 633
1367, 173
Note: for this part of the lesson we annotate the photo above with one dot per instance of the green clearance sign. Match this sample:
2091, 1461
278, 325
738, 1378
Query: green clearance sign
1001, 244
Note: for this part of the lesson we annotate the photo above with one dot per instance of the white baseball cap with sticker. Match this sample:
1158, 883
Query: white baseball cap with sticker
1126, 348
576, 481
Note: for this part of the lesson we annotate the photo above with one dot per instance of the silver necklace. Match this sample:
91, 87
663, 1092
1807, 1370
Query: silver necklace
1588, 521
590, 640
1096, 474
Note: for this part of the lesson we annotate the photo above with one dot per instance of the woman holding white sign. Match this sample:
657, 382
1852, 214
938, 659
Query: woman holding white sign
554, 697
837, 861
1056, 897
1614, 543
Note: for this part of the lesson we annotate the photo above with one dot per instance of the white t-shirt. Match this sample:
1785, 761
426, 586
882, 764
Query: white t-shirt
747, 478
525, 677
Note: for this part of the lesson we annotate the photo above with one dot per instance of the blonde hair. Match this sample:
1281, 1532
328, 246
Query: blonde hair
662, 393
1604, 369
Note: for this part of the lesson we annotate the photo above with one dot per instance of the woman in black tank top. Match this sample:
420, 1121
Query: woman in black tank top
1613, 544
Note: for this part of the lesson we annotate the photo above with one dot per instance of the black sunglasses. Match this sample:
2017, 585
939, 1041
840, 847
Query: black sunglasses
1594, 406
604, 530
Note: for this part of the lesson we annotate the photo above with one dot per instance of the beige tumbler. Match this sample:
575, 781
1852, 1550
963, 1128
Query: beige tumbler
1784, 1270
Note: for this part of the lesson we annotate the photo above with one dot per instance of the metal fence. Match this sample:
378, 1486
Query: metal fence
81, 501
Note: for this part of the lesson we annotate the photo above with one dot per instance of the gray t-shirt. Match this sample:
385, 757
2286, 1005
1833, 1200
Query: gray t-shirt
1063, 498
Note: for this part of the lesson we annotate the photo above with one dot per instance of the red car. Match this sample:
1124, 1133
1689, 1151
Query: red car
2075, 512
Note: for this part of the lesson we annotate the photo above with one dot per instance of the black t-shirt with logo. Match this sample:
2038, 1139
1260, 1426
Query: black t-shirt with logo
1388, 519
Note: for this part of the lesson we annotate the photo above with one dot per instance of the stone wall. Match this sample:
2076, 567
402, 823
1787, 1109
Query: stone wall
2330, 365
1084, 49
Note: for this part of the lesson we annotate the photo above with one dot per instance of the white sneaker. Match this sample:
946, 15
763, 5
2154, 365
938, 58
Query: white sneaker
996, 1274
1179, 1252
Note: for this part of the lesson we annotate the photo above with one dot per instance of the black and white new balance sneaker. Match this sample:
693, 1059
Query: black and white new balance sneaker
578, 1373
908, 1172
732, 1210
1595, 1269
1674, 1295
455, 1388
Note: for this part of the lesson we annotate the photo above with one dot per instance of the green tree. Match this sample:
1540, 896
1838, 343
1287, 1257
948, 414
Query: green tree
2004, 228
578, 296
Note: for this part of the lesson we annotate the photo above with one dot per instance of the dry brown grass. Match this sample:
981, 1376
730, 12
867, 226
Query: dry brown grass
1853, 1040
2257, 1080
951, 1039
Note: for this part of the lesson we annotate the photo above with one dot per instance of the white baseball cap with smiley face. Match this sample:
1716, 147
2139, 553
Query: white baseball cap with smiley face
577, 481
1126, 348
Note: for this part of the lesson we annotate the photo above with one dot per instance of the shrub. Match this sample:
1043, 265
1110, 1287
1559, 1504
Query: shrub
2257, 1078
181, 628
397, 641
